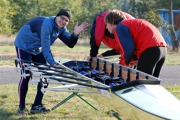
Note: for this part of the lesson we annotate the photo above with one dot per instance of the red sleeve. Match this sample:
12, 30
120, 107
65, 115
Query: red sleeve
100, 28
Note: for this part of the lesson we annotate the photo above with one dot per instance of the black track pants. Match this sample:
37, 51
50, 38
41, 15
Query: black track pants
152, 60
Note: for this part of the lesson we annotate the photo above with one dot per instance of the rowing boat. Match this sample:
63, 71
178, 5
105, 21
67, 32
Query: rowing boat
136, 95
142, 97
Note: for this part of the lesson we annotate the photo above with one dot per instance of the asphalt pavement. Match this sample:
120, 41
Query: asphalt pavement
170, 75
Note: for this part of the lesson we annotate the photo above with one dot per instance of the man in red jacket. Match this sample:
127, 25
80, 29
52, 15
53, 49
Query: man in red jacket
99, 34
137, 37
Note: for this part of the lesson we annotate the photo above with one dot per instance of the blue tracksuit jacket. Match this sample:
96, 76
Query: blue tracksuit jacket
39, 34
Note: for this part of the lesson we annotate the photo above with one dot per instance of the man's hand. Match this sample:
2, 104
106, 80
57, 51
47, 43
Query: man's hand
89, 58
100, 56
80, 28
133, 63
57, 63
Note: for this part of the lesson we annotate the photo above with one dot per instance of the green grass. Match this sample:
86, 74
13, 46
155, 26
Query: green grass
7, 49
62, 52
74, 109
173, 59
175, 90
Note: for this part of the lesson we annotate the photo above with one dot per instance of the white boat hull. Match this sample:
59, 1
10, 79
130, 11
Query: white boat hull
153, 99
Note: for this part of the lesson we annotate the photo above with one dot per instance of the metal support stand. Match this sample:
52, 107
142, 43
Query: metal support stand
115, 114
69, 97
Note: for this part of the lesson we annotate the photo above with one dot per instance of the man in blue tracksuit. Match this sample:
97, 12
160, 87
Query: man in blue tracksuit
33, 43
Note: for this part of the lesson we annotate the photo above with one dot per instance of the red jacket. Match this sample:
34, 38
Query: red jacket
98, 34
100, 26
134, 36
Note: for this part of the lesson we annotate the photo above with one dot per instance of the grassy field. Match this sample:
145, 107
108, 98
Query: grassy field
62, 52
74, 109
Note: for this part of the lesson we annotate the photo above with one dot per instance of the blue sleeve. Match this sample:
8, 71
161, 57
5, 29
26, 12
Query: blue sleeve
46, 30
126, 42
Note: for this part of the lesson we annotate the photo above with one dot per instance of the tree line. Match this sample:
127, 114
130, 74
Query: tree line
15, 13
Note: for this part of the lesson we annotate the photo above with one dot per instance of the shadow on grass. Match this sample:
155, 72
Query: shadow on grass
3, 96
7, 115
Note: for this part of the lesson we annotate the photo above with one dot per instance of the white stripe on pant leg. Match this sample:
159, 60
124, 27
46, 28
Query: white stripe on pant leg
20, 64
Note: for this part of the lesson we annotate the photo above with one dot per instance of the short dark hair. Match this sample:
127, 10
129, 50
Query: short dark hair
114, 17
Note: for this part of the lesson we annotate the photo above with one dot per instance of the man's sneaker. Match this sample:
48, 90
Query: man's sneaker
22, 111
38, 109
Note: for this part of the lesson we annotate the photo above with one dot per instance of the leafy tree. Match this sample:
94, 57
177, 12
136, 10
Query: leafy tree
15, 13
166, 3
125, 5
5, 17
24, 10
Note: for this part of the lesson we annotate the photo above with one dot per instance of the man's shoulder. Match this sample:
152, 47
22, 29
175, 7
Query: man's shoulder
49, 22
49, 19
38, 18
